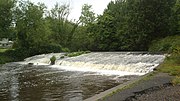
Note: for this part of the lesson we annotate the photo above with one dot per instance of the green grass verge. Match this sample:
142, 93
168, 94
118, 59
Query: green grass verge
2, 50
166, 45
171, 65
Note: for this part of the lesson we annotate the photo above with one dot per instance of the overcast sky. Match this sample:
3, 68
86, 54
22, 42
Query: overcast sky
76, 5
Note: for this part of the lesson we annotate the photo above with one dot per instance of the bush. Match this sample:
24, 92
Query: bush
87, 52
65, 50
171, 65
53, 59
62, 57
73, 54
168, 44
13, 55
5, 59
45, 48
171, 45
20, 54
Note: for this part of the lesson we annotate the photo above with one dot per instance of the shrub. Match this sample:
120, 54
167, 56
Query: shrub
62, 57
53, 59
65, 50
21, 53
168, 44
4, 59
87, 52
45, 48
73, 54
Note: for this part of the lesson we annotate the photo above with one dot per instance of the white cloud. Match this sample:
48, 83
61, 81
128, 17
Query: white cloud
76, 5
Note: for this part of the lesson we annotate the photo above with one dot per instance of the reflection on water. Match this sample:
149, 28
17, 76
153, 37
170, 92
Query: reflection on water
14, 88
42, 83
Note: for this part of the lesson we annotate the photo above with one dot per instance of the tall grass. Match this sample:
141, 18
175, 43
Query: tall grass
171, 64
167, 45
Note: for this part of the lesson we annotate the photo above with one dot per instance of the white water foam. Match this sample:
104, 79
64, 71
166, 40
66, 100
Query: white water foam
99, 72
116, 63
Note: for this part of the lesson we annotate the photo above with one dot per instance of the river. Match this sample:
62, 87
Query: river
22, 82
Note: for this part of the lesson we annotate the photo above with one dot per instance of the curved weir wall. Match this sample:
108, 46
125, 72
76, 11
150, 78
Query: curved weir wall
130, 63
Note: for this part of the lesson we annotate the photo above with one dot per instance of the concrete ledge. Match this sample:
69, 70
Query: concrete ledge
157, 80
114, 89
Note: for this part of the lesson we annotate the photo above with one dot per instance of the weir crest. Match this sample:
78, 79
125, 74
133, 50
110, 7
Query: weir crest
134, 62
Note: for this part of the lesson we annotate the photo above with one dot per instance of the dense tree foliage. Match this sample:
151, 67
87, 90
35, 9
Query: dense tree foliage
59, 24
81, 39
133, 24
30, 25
87, 15
6, 18
125, 25
32, 29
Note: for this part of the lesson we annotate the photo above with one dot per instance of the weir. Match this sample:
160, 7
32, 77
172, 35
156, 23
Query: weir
72, 78
133, 62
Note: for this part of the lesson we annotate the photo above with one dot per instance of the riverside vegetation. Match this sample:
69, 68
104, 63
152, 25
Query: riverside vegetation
171, 64
125, 25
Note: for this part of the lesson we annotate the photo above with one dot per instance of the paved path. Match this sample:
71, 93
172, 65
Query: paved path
138, 92
169, 93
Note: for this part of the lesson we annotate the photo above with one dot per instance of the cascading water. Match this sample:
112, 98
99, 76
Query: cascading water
134, 63
71, 78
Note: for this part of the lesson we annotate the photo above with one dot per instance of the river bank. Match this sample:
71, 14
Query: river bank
162, 84
167, 93
141, 89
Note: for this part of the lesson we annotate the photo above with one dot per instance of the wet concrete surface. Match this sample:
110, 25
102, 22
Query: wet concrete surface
149, 90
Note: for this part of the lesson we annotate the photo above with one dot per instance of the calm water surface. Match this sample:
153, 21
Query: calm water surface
42, 83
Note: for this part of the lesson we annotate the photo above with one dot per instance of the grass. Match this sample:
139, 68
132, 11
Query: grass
176, 80
165, 45
171, 65
2, 50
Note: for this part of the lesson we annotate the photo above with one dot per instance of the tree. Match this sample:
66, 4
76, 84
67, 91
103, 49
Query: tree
133, 24
6, 17
82, 39
62, 29
150, 20
87, 15
31, 27
177, 16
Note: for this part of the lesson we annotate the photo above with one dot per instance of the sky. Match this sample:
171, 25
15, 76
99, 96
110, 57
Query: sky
98, 6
